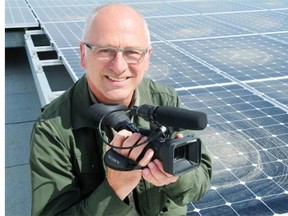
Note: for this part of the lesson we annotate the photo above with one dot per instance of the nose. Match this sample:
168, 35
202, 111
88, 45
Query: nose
118, 64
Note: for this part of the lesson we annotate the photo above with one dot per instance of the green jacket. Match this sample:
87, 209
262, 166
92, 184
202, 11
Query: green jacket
67, 171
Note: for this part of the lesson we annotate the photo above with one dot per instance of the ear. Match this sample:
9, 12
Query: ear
82, 56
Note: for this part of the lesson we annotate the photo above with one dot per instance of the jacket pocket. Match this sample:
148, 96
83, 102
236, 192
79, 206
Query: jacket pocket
152, 201
88, 177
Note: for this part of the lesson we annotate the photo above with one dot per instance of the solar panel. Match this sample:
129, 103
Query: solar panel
267, 4
244, 139
64, 34
19, 15
226, 58
256, 21
210, 6
276, 90
188, 27
242, 58
58, 3
171, 66
14, 3
71, 58
55, 13
158, 9
282, 37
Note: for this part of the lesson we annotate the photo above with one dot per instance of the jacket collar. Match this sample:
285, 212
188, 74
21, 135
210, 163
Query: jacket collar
81, 101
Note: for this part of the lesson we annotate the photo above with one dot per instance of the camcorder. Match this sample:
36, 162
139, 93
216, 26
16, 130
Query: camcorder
178, 156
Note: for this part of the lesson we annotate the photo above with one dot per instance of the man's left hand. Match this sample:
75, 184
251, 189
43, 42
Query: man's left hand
155, 174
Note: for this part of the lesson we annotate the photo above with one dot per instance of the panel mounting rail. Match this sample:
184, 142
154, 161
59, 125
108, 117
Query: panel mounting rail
44, 90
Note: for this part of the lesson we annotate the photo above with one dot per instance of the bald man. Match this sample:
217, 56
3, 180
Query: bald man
68, 174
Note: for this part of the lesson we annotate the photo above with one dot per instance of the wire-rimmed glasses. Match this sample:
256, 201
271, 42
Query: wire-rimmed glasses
107, 54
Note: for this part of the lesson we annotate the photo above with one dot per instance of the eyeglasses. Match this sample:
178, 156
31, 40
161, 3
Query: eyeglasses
107, 54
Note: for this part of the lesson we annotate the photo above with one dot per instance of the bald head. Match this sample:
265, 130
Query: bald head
115, 16
109, 29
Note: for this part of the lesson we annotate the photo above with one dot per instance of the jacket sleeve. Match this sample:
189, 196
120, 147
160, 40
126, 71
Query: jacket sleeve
54, 189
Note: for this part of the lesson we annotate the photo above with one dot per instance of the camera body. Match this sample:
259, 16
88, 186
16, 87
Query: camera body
178, 156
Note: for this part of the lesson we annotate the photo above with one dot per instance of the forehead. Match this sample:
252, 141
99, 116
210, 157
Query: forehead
123, 26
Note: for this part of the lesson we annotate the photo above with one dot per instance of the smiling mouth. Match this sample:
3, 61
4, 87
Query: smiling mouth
115, 79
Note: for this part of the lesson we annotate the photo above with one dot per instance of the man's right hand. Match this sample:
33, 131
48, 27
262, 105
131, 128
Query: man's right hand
123, 182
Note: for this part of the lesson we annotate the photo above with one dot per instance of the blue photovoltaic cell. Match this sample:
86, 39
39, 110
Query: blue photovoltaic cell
190, 27
275, 89
63, 13
19, 15
65, 35
277, 203
71, 58
281, 37
171, 8
228, 59
171, 67
59, 3
243, 58
245, 147
267, 4
258, 21
156, 9
210, 6
15, 4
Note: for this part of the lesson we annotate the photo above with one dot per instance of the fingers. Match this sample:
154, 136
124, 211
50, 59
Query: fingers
156, 175
120, 137
125, 139
147, 158
178, 136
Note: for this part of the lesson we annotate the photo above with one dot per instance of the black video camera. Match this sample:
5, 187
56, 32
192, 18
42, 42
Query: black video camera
178, 156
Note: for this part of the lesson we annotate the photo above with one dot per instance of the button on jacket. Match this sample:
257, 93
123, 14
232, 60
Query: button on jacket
67, 171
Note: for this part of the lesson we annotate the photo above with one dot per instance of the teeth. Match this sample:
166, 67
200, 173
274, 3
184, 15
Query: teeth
117, 79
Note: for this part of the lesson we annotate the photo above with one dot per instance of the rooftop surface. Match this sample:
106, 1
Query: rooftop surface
226, 58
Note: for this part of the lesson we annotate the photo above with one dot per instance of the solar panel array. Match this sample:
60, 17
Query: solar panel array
19, 15
226, 58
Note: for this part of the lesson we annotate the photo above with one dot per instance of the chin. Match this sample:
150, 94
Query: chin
116, 100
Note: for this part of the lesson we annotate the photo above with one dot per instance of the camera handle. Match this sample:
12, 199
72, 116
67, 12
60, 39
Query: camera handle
116, 161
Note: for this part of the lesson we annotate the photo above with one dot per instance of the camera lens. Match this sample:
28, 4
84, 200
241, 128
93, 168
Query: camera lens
180, 152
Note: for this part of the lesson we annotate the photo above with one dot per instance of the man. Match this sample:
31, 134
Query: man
68, 174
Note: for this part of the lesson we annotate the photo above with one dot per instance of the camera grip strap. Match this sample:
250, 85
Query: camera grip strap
116, 161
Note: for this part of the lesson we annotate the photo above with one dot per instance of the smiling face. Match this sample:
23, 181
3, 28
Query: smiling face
117, 26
